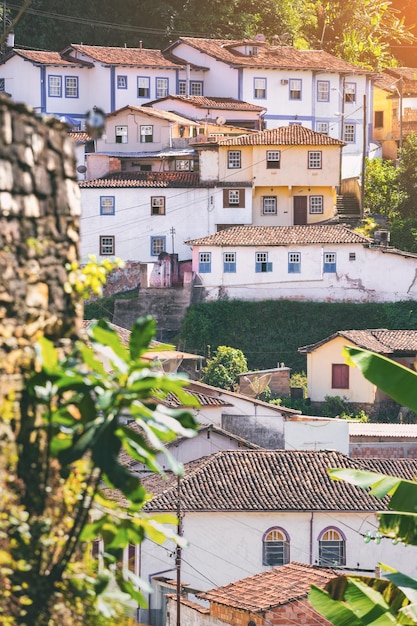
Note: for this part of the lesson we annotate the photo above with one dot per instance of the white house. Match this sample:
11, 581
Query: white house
316, 263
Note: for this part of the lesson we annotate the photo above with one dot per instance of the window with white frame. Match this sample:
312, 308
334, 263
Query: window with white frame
161, 89
204, 262
332, 548
158, 205
71, 86
195, 88
233, 197
294, 262
234, 159
295, 89
269, 205
121, 134
349, 133
183, 165
350, 92
146, 133
259, 88
322, 127
315, 205
323, 90
275, 547
106, 245
157, 245
55, 86
273, 159
229, 262
314, 159
121, 82
144, 89
329, 262
261, 262
107, 205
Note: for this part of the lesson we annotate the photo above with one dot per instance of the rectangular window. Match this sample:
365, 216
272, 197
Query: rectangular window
157, 245
234, 159
349, 133
233, 198
350, 92
204, 262
294, 262
323, 90
158, 205
2, 84
322, 127
121, 134
261, 262
146, 134
122, 82
315, 205
259, 88
273, 159
340, 376
269, 205
107, 205
183, 165
379, 119
329, 262
144, 89
352, 256
55, 86
161, 89
106, 245
314, 159
229, 262
295, 89
71, 86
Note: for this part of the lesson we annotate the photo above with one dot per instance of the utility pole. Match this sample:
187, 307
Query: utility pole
178, 552
364, 148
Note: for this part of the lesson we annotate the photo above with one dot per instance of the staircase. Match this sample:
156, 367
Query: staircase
348, 209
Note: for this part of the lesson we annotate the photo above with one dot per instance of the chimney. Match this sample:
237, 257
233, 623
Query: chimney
140, 45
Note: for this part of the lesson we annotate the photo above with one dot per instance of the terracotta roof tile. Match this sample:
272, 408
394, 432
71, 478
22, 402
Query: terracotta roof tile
137, 57
283, 136
280, 236
379, 340
47, 58
387, 431
79, 136
270, 589
144, 179
401, 468
149, 112
212, 102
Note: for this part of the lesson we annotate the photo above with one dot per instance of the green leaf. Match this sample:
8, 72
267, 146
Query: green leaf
407, 584
142, 332
408, 615
47, 354
333, 610
400, 526
107, 343
367, 603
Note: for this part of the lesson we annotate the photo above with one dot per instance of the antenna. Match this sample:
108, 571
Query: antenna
220, 121
257, 385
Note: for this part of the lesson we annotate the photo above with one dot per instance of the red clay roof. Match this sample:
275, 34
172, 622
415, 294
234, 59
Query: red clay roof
380, 340
280, 236
144, 179
138, 57
164, 115
46, 58
283, 136
212, 102
79, 136
270, 589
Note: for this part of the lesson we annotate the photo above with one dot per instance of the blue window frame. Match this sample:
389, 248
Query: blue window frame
107, 205
121, 82
144, 87
261, 262
204, 262
259, 88
294, 263
161, 87
323, 91
71, 86
329, 262
54, 86
229, 262
158, 245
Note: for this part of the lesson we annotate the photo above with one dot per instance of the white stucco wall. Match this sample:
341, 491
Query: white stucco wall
310, 433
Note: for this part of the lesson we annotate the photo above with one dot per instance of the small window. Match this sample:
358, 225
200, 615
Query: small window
143, 87
71, 86
158, 205
106, 245
315, 205
349, 133
183, 165
352, 256
204, 262
275, 547
294, 262
340, 376
161, 87
234, 159
332, 548
329, 262
121, 134
314, 159
322, 127
2, 84
157, 245
350, 92
379, 119
107, 205
122, 82
261, 262
273, 159
269, 205
259, 90
323, 90
131, 558
229, 262
146, 134
196, 88
234, 198
55, 86
295, 89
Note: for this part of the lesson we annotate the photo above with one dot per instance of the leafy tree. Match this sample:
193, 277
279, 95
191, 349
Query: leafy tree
407, 177
404, 233
383, 194
223, 369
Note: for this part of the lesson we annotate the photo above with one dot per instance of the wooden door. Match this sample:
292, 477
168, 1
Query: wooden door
300, 210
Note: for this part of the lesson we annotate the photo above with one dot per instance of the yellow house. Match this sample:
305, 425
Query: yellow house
383, 110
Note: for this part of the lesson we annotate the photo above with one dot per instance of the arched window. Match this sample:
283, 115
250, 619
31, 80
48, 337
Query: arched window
276, 547
332, 547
